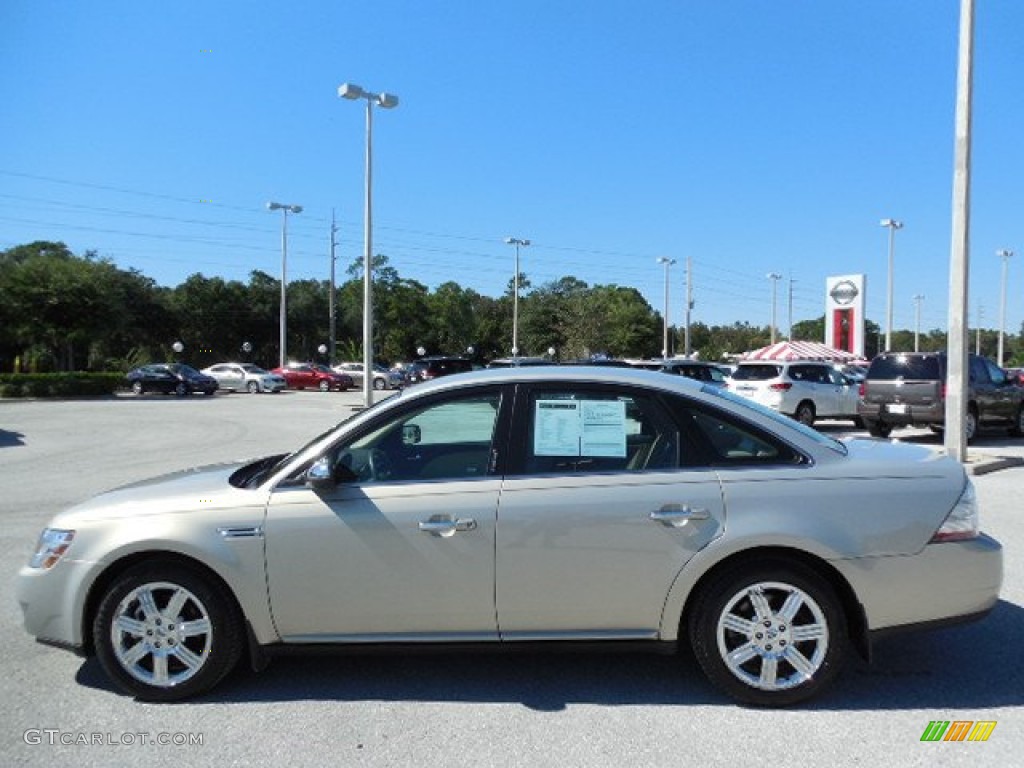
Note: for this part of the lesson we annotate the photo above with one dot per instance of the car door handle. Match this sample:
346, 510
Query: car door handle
445, 527
678, 515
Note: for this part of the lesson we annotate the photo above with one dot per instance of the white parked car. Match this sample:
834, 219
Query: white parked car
806, 390
245, 376
382, 377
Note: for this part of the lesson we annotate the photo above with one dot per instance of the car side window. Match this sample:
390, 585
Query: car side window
995, 373
730, 442
589, 430
447, 440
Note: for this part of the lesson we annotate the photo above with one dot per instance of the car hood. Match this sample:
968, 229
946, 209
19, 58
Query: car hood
189, 490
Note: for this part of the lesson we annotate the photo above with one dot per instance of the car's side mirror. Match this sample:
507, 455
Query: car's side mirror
411, 434
319, 476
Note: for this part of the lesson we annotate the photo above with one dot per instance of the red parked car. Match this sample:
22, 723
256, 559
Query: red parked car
314, 376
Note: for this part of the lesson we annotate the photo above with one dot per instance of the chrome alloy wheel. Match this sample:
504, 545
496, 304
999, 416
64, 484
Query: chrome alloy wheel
772, 636
161, 634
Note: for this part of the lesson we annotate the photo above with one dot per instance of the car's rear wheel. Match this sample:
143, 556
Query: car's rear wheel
181, 390
379, 384
253, 387
137, 387
325, 386
805, 413
163, 632
769, 635
971, 424
879, 428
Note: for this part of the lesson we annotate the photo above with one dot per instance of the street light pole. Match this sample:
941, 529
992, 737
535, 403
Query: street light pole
892, 225
774, 277
664, 335
387, 101
917, 321
333, 330
283, 340
1005, 255
517, 242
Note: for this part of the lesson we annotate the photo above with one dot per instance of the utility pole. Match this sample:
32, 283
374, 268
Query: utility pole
689, 306
333, 339
791, 281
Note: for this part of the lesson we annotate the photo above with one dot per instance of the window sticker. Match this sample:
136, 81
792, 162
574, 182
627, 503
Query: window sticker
590, 428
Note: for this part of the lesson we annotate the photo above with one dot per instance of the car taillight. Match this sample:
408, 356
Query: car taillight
861, 391
781, 386
943, 390
962, 521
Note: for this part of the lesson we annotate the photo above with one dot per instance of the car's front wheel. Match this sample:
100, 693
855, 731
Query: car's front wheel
137, 387
1017, 428
380, 384
325, 385
769, 635
163, 632
253, 387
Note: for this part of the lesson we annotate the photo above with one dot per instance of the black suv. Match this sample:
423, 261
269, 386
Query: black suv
909, 389
427, 368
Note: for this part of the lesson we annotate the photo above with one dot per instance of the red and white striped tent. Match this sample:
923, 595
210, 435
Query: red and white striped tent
800, 350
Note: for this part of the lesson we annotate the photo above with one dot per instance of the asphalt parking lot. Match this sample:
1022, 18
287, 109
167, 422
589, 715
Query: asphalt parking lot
459, 710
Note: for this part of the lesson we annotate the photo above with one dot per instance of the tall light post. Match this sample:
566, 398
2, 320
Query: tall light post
774, 277
917, 321
518, 243
387, 101
283, 340
892, 225
1005, 255
664, 335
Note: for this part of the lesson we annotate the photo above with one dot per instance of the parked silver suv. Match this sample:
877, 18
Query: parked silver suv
804, 389
909, 389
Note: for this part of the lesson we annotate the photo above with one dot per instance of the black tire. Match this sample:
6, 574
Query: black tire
858, 422
1017, 428
181, 390
805, 413
879, 428
193, 644
793, 655
971, 424
379, 384
253, 387
137, 387
325, 385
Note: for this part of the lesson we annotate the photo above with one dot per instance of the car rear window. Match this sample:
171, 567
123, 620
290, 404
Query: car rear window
756, 372
905, 367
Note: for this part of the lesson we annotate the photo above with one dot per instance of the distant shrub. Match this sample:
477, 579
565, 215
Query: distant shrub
76, 384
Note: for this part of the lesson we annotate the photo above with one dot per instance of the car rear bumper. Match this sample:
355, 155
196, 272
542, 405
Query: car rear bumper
942, 583
903, 414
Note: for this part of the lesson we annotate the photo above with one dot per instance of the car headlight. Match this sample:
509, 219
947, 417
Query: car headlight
53, 543
962, 521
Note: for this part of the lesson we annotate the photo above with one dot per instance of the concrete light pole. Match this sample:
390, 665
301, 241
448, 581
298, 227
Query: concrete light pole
664, 336
387, 101
283, 321
892, 225
1005, 255
518, 243
774, 277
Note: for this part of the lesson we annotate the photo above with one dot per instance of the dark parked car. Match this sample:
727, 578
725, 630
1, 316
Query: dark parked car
427, 368
314, 376
170, 378
909, 389
695, 369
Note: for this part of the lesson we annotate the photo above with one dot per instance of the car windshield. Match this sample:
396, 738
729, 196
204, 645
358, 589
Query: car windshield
760, 372
185, 370
784, 422
905, 367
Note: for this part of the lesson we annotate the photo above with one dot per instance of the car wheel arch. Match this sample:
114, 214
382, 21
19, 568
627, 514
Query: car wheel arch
696, 576
103, 582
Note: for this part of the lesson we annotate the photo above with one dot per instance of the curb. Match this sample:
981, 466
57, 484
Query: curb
994, 464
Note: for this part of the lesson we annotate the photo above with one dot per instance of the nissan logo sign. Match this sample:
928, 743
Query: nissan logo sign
844, 292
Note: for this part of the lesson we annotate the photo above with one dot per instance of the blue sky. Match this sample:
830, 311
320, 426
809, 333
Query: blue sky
749, 136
